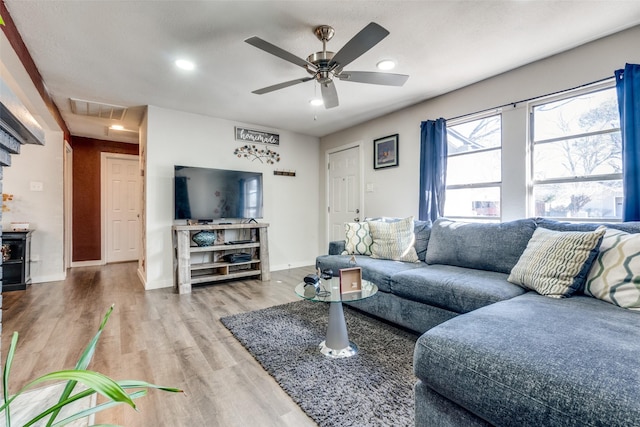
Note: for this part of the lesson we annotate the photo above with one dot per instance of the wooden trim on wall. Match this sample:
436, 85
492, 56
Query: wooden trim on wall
11, 32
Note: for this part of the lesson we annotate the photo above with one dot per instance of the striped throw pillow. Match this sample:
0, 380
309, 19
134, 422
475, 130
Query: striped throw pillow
357, 239
556, 263
393, 240
615, 274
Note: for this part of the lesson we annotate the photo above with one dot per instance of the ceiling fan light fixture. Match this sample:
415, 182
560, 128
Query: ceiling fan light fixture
316, 102
185, 64
386, 64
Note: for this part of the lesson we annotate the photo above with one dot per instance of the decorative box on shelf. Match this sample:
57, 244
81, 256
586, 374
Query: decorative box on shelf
20, 226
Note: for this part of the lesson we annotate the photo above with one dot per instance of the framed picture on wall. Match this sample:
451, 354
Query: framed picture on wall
385, 152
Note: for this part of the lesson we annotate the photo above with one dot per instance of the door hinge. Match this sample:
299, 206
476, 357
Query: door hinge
328, 209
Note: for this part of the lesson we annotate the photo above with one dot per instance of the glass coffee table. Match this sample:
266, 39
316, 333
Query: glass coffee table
336, 344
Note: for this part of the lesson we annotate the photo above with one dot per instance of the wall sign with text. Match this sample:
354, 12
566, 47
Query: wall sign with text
257, 136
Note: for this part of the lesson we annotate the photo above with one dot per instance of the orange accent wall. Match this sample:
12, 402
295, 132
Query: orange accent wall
86, 193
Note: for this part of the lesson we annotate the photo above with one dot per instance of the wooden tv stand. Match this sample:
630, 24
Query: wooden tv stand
188, 273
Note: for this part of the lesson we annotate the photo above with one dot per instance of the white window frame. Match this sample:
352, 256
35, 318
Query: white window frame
609, 84
492, 184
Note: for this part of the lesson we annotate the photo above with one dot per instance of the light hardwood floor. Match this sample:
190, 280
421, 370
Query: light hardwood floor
157, 336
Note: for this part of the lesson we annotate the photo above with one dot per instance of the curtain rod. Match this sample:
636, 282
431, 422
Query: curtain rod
530, 99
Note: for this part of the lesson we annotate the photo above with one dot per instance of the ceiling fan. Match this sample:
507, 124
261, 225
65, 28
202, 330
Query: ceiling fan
324, 66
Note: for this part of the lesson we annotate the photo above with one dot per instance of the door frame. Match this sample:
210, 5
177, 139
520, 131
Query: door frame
104, 156
68, 204
360, 146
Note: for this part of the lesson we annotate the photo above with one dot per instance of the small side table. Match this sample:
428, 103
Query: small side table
336, 344
16, 269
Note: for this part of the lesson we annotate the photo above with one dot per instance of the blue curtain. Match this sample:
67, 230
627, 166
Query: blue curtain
628, 89
433, 168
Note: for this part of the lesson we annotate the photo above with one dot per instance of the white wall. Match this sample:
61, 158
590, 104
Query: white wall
291, 204
43, 210
396, 189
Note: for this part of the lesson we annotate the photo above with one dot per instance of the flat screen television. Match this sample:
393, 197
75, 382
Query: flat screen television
207, 194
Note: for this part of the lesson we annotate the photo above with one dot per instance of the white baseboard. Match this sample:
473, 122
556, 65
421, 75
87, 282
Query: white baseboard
58, 277
91, 263
294, 265
158, 284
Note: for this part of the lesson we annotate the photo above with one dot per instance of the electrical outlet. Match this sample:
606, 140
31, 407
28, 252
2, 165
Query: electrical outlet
36, 186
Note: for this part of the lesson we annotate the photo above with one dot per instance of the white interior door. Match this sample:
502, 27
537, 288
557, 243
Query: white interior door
122, 211
344, 190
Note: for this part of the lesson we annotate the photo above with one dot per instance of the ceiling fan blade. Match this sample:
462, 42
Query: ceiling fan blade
279, 52
367, 38
281, 85
387, 79
329, 94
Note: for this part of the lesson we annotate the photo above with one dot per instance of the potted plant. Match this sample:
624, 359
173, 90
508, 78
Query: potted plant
95, 382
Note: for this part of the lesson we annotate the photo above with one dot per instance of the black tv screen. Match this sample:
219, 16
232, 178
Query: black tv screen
207, 194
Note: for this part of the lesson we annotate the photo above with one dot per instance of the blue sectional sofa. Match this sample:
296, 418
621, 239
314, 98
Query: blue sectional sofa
492, 352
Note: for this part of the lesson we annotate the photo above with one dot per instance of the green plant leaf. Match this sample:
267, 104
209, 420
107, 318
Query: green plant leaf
96, 409
126, 384
82, 363
1, 21
93, 380
5, 378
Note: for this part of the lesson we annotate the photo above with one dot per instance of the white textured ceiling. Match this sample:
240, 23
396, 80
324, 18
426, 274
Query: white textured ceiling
122, 53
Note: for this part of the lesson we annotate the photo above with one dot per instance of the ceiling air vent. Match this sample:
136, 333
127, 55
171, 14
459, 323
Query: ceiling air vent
97, 109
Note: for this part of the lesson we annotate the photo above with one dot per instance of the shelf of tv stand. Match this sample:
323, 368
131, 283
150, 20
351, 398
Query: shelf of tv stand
188, 273
200, 273
214, 248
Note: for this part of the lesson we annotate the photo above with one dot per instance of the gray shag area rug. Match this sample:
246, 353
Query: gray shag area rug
372, 388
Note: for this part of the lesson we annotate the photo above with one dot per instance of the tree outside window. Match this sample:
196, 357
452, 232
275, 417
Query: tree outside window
577, 160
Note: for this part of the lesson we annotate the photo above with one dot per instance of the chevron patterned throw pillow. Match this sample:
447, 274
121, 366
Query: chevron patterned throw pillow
556, 263
357, 239
615, 274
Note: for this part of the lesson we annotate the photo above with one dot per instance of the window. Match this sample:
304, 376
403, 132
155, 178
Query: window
250, 188
474, 169
576, 156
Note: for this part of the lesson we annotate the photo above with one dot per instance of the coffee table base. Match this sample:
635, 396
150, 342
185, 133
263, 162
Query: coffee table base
336, 344
350, 350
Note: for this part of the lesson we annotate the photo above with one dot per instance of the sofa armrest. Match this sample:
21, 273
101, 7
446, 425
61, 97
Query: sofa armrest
336, 247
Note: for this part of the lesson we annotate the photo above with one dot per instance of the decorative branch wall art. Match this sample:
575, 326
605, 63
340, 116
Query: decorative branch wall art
253, 153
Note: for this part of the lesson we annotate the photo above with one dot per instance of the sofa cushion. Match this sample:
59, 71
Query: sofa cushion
393, 240
629, 226
556, 263
533, 360
492, 247
357, 238
422, 232
378, 271
456, 289
615, 274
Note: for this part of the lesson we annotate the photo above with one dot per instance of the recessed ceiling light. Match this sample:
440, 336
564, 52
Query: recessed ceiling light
316, 102
185, 65
386, 64
116, 127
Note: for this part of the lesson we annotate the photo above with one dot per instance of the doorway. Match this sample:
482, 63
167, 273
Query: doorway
120, 207
344, 184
